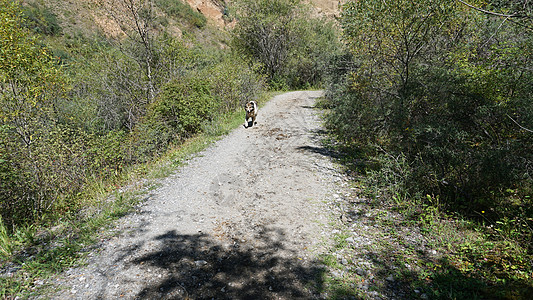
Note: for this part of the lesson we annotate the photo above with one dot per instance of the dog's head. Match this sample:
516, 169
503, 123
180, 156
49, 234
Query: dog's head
249, 107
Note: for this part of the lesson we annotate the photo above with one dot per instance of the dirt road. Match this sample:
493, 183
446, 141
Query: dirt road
244, 219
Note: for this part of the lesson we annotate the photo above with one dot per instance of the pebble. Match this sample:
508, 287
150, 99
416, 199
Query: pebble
200, 263
360, 272
337, 273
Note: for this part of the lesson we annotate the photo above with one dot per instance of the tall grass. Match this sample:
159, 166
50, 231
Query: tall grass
6, 247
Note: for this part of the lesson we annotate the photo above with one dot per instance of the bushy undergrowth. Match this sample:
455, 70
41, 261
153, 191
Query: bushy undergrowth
442, 116
290, 47
455, 113
182, 10
107, 109
40, 19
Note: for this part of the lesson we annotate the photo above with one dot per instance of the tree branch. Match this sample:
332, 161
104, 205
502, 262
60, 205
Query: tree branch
493, 13
528, 130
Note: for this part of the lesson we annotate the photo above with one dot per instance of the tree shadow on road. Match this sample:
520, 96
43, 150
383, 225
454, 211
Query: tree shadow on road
319, 150
202, 267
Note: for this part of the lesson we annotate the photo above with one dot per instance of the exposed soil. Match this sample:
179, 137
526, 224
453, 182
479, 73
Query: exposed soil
244, 219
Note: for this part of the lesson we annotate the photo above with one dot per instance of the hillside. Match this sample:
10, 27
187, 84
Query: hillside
91, 17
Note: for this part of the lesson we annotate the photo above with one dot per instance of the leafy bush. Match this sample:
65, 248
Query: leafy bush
40, 19
445, 92
179, 112
309, 60
290, 47
30, 85
184, 11
40, 177
184, 104
233, 83
105, 155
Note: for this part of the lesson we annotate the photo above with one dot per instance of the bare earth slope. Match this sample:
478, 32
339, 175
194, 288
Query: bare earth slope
245, 219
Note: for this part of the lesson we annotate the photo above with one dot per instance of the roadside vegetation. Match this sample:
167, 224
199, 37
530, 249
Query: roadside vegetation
88, 119
431, 106
428, 105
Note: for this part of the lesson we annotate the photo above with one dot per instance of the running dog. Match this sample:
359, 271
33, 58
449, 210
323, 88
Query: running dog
251, 112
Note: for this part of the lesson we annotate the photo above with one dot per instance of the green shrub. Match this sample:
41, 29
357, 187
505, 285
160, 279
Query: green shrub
184, 104
106, 155
290, 47
40, 19
182, 10
452, 109
40, 177
233, 83
179, 112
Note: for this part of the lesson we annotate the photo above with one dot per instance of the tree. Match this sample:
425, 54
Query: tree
137, 77
291, 47
30, 79
31, 82
437, 84
519, 12
266, 31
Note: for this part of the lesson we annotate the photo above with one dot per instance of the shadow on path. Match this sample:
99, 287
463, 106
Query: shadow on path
201, 267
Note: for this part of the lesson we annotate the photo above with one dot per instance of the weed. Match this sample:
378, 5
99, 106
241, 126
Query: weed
183, 10
5, 241
423, 248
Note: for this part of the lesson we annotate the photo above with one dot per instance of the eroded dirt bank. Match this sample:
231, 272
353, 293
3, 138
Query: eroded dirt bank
244, 219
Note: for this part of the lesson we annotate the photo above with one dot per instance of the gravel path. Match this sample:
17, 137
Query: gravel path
244, 219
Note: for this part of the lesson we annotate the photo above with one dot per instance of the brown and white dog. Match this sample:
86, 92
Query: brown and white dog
251, 112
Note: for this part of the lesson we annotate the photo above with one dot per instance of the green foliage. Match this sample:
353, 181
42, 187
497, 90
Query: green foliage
234, 83
6, 247
106, 154
308, 61
41, 177
267, 32
422, 86
40, 19
439, 97
184, 104
30, 85
182, 10
280, 36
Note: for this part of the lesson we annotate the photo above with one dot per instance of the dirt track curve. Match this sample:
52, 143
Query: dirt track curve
244, 219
